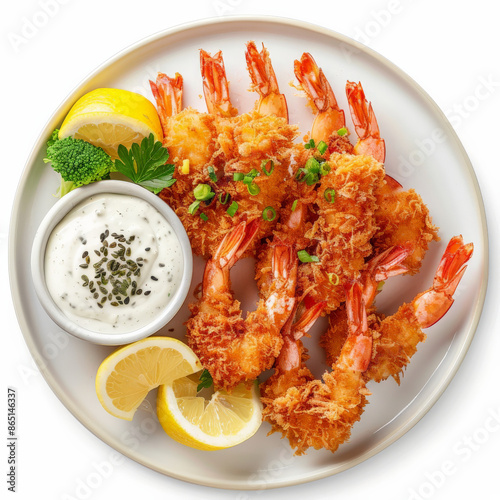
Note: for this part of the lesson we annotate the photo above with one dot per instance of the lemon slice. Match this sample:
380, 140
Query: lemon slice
220, 422
126, 376
110, 117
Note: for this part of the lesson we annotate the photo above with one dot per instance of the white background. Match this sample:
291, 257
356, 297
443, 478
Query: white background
448, 47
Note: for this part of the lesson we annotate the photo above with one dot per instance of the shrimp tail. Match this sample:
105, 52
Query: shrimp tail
383, 266
431, 305
329, 117
264, 81
307, 319
365, 123
235, 243
167, 92
215, 85
357, 350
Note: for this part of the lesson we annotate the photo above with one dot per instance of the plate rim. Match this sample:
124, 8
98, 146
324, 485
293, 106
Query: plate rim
56, 118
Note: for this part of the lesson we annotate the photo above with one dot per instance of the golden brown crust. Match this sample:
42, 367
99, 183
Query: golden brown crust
342, 233
402, 217
320, 413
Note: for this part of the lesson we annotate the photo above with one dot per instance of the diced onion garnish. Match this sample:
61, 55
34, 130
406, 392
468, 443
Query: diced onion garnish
305, 257
232, 208
185, 167
225, 200
271, 167
253, 188
203, 192
333, 279
269, 214
322, 147
329, 195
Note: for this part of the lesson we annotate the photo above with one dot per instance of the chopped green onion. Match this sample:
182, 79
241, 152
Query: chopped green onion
266, 216
305, 257
312, 165
238, 176
203, 192
324, 169
248, 178
226, 198
294, 205
322, 147
310, 144
311, 178
380, 285
253, 188
211, 174
333, 279
194, 207
342, 131
271, 167
204, 217
329, 195
232, 208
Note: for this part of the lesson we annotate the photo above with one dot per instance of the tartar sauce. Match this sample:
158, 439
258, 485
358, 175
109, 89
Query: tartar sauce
113, 263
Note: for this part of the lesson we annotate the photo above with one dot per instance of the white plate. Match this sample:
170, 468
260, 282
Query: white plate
423, 153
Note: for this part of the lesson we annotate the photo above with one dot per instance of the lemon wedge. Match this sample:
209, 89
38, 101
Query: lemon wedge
110, 117
128, 374
220, 422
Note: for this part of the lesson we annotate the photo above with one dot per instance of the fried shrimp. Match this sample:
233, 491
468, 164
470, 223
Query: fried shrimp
321, 413
401, 216
189, 136
219, 144
231, 348
341, 235
395, 338
253, 148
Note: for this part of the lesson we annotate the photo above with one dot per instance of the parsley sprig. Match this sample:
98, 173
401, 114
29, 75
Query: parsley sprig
205, 380
146, 164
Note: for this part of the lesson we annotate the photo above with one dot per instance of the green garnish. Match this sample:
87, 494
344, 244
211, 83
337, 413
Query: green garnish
329, 195
305, 257
267, 211
232, 208
203, 192
342, 131
324, 168
194, 207
211, 174
248, 178
271, 167
146, 164
294, 205
204, 216
226, 198
238, 176
322, 147
310, 145
333, 279
205, 380
311, 172
253, 188
77, 161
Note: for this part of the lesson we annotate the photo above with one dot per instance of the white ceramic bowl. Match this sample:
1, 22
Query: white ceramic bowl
57, 213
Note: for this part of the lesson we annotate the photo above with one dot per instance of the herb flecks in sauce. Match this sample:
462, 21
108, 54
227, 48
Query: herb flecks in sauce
115, 276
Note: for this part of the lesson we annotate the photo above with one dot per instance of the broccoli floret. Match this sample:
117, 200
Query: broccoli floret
78, 162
